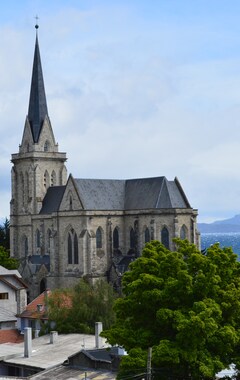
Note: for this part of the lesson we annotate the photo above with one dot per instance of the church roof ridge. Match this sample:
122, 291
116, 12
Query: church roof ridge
37, 110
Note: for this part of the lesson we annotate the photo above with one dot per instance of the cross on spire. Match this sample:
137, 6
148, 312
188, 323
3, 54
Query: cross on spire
37, 18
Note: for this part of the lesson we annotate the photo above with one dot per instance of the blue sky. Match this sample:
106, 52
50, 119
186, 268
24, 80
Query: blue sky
135, 88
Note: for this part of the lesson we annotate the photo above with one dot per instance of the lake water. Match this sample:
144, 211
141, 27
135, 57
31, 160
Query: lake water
228, 239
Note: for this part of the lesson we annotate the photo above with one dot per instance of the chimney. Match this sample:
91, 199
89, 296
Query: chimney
98, 338
53, 337
27, 342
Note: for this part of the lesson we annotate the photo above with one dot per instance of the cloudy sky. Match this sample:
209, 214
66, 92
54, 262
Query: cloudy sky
135, 88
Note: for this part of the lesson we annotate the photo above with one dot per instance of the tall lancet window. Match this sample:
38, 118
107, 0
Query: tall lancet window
165, 237
98, 238
183, 232
132, 238
72, 248
147, 235
115, 238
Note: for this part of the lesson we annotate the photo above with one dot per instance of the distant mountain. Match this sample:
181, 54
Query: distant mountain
226, 225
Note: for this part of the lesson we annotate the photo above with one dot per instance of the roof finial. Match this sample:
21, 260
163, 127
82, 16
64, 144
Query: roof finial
36, 26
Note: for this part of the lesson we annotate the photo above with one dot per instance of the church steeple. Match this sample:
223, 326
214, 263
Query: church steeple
37, 110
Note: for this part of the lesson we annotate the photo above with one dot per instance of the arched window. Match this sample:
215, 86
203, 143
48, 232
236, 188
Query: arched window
72, 248
46, 146
46, 180
38, 239
115, 238
25, 245
53, 178
147, 235
99, 238
165, 237
75, 261
183, 232
48, 239
132, 238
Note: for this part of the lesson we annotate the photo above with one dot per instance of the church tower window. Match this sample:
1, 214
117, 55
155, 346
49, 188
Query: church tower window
165, 237
115, 238
53, 178
46, 180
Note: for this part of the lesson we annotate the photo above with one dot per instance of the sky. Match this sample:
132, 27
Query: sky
135, 88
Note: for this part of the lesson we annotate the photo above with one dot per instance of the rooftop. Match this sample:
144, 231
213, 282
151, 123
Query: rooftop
44, 354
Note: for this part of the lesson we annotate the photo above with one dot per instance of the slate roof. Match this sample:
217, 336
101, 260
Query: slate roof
35, 262
101, 194
111, 194
132, 194
52, 199
37, 110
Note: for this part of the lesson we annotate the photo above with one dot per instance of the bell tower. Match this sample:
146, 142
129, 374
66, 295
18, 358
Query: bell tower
36, 166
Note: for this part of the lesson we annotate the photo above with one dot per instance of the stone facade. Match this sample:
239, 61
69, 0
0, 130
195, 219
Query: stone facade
63, 229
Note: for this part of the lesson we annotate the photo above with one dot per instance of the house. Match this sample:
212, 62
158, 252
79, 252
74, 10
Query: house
35, 314
13, 300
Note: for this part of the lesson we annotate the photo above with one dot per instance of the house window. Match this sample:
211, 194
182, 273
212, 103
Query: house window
165, 237
147, 235
99, 238
115, 238
3, 296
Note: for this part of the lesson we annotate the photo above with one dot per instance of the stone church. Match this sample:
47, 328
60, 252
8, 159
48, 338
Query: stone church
64, 228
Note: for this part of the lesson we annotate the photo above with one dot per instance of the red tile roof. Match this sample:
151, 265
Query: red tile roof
10, 336
32, 311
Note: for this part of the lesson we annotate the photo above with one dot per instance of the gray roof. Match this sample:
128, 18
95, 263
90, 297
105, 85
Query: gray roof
101, 194
111, 194
132, 194
52, 199
37, 110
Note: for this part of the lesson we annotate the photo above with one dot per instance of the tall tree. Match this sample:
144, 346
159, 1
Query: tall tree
76, 310
6, 261
5, 234
183, 304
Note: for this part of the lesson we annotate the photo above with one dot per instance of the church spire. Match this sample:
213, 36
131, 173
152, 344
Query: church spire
37, 110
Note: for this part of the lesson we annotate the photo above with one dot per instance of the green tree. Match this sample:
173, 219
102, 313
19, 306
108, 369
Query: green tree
6, 261
76, 310
5, 234
183, 304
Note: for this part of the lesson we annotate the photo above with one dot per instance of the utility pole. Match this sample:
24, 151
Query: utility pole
149, 361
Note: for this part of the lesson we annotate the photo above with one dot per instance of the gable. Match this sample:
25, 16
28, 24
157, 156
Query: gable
70, 200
